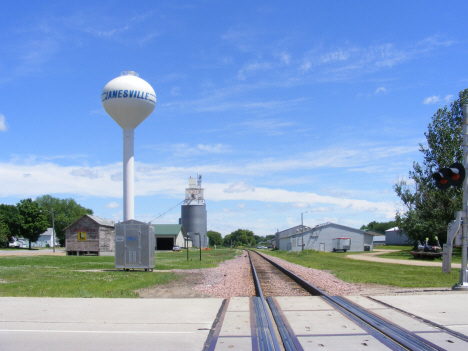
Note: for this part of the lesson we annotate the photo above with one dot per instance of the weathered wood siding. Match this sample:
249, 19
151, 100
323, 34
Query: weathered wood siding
106, 239
98, 238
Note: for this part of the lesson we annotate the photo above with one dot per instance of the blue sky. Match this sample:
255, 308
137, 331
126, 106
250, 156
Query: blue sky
283, 107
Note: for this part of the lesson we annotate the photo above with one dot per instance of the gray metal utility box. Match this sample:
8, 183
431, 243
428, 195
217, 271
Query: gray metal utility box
134, 245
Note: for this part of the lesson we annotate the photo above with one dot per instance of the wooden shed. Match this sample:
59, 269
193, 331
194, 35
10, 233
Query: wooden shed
90, 235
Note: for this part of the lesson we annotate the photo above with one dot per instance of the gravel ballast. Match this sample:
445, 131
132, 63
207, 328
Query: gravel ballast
230, 278
234, 278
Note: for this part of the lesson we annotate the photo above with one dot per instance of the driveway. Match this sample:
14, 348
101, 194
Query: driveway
373, 256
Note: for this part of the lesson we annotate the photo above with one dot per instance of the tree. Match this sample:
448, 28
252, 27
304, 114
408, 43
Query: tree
66, 211
215, 238
33, 221
380, 227
240, 237
428, 210
10, 216
4, 234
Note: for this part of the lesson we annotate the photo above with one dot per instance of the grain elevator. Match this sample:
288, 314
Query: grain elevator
193, 213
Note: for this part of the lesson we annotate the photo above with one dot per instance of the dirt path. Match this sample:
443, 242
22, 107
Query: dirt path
26, 252
373, 256
178, 289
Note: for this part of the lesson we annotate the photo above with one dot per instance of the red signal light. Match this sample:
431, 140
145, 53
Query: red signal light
447, 177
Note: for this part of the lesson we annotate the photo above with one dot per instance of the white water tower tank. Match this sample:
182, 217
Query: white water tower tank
128, 99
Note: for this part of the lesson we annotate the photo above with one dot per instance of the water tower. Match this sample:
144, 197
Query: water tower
194, 218
128, 99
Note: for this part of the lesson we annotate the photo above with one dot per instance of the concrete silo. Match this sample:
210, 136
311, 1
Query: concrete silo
193, 213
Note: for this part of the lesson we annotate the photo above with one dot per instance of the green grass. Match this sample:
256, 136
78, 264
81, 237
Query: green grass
62, 276
356, 271
178, 260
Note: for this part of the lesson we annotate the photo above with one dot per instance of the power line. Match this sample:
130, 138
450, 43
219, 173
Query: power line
160, 216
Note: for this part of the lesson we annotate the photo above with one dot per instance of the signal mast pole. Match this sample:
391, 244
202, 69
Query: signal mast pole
463, 283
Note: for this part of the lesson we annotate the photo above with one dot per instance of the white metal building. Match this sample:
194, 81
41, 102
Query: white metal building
320, 238
395, 236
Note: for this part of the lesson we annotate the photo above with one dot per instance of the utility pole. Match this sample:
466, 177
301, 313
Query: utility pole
302, 228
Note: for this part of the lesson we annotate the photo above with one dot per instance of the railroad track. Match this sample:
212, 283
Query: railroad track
272, 331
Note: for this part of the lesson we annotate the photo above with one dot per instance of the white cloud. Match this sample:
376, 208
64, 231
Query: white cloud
3, 124
300, 205
252, 67
213, 192
431, 100
380, 90
285, 58
214, 149
448, 98
239, 187
106, 180
241, 206
112, 204
350, 60
85, 172
117, 177
435, 99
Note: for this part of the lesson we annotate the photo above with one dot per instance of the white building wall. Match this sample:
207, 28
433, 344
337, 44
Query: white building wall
180, 240
394, 236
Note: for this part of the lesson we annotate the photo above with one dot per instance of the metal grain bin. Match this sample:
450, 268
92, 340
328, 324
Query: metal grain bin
194, 220
134, 245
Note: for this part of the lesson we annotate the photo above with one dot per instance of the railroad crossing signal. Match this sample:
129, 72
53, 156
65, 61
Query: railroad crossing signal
447, 177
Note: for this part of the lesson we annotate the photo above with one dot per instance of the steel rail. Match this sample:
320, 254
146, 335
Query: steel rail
393, 336
424, 320
267, 336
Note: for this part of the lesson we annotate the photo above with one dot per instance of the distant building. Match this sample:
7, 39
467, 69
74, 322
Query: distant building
90, 235
320, 238
379, 238
395, 236
168, 235
45, 239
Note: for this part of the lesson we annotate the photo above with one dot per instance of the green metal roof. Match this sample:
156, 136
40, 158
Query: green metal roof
168, 229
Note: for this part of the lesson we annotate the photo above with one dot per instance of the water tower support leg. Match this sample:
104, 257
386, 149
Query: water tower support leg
128, 173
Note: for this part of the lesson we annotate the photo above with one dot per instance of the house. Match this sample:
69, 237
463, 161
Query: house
395, 236
168, 235
46, 239
90, 235
320, 238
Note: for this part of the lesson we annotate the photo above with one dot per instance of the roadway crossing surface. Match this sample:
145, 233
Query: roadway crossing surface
186, 324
